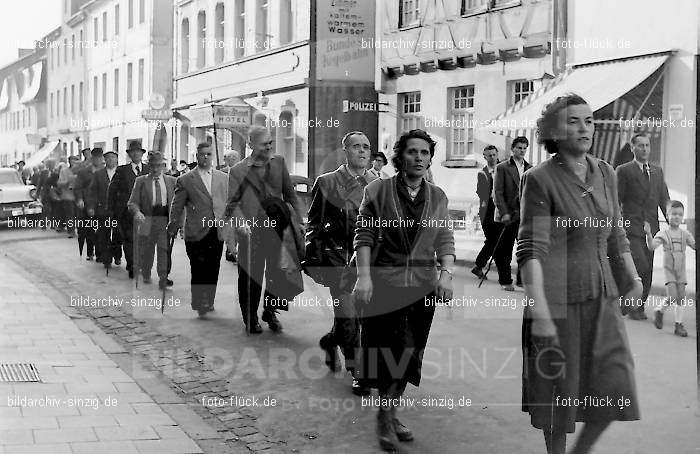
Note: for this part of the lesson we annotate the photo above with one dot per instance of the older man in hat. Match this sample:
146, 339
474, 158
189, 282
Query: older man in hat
119, 193
108, 244
86, 231
149, 203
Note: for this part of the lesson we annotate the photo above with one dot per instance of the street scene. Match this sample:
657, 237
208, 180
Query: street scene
319, 226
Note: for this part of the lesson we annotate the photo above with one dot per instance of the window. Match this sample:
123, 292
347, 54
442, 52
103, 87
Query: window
65, 100
116, 86
201, 38
104, 90
286, 21
58, 54
58, 103
129, 82
81, 42
219, 33
142, 11
461, 130
51, 105
261, 32
65, 50
97, 32
474, 6
140, 89
115, 144
51, 57
185, 46
239, 29
72, 47
94, 93
116, 19
409, 13
104, 26
131, 13
80, 97
72, 99
520, 89
409, 111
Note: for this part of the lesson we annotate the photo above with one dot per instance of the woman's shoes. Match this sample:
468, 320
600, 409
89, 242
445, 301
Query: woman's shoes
680, 330
403, 433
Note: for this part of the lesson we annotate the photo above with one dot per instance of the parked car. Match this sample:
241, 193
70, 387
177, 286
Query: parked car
17, 200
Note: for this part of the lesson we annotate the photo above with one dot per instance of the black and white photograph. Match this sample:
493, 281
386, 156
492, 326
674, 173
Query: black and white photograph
349, 226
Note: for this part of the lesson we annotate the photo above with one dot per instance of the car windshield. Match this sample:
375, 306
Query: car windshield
10, 178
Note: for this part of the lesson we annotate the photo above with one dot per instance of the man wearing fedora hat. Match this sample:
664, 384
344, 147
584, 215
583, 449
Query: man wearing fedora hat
107, 241
119, 193
149, 203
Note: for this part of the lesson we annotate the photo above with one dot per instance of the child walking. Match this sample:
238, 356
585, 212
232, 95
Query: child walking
674, 240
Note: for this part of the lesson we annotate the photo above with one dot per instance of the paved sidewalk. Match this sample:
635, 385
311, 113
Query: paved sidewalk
85, 403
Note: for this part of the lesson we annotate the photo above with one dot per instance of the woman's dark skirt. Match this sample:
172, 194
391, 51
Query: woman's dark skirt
590, 378
395, 329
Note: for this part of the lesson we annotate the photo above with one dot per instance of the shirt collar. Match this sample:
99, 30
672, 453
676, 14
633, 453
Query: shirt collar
203, 171
640, 165
251, 162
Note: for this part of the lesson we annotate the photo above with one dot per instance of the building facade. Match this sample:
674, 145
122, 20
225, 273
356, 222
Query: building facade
112, 61
452, 67
23, 106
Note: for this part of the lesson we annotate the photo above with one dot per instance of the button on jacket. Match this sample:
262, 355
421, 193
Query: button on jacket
567, 225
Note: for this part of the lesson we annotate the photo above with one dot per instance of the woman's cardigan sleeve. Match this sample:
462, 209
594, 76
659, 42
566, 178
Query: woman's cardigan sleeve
536, 223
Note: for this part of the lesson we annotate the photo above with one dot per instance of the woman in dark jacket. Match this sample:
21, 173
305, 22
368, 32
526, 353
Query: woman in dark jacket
576, 357
401, 230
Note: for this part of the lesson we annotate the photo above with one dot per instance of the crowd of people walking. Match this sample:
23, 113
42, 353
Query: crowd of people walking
373, 241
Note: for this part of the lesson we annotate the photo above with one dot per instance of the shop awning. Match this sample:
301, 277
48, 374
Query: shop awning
598, 83
42, 153
200, 116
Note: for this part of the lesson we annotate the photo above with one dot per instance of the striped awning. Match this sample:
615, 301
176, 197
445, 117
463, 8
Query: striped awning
598, 83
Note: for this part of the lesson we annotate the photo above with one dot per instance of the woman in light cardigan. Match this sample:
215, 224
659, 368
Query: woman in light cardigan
402, 223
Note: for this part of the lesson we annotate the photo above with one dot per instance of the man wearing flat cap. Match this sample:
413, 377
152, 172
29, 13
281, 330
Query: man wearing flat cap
149, 204
86, 233
119, 193
108, 243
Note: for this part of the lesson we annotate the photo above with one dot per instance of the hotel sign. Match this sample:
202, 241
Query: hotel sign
231, 117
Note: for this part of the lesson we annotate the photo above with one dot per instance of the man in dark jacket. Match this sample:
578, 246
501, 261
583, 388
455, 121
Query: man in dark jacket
119, 193
506, 188
491, 228
335, 202
107, 240
642, 191
86, 233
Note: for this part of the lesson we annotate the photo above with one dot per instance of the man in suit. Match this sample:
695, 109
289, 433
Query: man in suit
491, 228
231, 158
119, 193
86, 233
149, 204
201, 193
335, 203
107, 240
256, 178
506, 188
642, 191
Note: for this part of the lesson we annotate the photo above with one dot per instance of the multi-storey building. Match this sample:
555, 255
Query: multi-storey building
450, 67
113, 59
291, 65
23, 107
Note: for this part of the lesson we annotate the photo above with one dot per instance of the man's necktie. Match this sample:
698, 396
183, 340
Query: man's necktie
138, 170
159, 196
647, 173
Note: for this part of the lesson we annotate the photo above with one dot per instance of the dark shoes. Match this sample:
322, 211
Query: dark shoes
508, 288
164, 282
270, 318
90, 258
328, 346
131, 274
147, 279
231, 257
386, 431
638, 314
359, 388
680, 330
403, 433
478, 272
658, 319
254, 328
202, 313
117, 262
